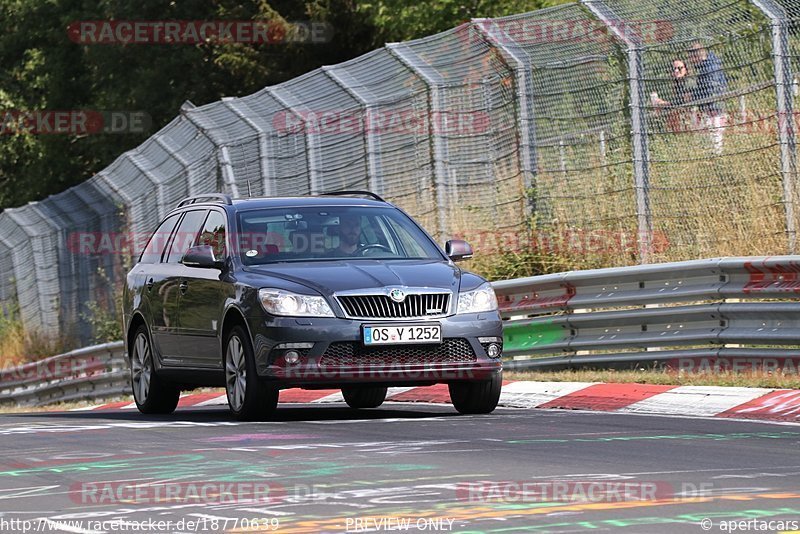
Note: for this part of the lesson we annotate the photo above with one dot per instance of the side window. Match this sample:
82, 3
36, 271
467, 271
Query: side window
185, 235
158, 241
213, 234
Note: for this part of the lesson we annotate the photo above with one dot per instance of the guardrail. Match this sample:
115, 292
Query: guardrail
84, 374
725, 313
734, 313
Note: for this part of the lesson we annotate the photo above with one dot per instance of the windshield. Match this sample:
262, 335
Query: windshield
330, 233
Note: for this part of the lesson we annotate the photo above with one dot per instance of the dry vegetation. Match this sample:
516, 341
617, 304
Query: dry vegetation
18, 346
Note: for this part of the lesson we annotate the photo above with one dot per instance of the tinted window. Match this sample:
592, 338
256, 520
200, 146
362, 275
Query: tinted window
213, 234
158, 241
186, 235
329, 233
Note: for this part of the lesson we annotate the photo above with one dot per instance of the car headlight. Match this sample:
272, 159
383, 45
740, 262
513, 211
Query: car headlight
478, 300
280, 302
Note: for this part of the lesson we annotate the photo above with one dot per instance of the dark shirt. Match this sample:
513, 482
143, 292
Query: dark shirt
683, 90
711, 82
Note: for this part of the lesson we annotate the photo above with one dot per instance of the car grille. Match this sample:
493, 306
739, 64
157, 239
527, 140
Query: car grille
349, 353
383, 307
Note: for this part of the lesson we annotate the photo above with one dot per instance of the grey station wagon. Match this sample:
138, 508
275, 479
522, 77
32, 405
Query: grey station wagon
342, 290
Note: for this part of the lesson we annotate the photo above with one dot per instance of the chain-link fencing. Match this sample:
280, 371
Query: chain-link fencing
607, 132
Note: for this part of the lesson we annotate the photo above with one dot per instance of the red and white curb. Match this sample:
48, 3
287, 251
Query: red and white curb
695, 401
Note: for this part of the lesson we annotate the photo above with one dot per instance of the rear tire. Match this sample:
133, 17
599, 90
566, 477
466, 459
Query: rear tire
151, 394
249, 397
476, 397
365, 396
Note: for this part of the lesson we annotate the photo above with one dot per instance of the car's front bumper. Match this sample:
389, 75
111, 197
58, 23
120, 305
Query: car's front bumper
332, 353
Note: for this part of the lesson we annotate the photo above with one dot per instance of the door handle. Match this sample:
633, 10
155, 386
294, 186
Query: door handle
184, 286
150, 284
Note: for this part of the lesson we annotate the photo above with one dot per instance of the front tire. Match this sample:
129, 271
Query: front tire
249, 398
476, 397
364, 397
152, 395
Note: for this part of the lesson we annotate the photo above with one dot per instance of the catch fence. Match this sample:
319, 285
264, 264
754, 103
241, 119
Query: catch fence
564, 128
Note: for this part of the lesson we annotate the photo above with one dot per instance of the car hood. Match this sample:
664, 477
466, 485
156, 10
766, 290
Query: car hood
329, 277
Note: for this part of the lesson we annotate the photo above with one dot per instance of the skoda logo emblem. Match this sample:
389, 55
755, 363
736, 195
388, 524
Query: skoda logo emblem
397, 295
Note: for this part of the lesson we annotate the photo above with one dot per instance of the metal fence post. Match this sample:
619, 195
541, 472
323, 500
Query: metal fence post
641, 157
434, 81
267, 176
227, 171
781, 58
135, 157
494, 35
176, 154
222, 156
351, 86
312, 144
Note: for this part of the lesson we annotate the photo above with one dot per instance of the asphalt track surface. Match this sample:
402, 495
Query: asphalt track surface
414, 467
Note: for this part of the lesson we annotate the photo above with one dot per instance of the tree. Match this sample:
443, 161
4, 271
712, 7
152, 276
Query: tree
44, 70
400, 20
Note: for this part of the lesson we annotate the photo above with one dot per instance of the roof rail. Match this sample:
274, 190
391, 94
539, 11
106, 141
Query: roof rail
362, 193
221, 197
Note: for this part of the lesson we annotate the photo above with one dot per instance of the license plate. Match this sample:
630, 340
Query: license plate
402, 334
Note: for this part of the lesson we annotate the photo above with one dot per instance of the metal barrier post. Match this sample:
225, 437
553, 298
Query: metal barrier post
500, 40
641, 157
783, 91
267, 176
311, 138
435, 108
374, 172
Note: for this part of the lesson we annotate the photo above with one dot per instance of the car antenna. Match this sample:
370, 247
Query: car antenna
249, 192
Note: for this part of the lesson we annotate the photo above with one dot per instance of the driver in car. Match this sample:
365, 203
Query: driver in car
349, 236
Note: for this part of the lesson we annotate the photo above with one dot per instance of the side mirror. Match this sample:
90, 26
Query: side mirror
458, 249
201, 256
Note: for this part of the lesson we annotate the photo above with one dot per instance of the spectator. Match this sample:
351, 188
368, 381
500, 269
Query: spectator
711, 85
681, 95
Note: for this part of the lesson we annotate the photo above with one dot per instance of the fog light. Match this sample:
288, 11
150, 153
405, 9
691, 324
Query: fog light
292, 357
493, 350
